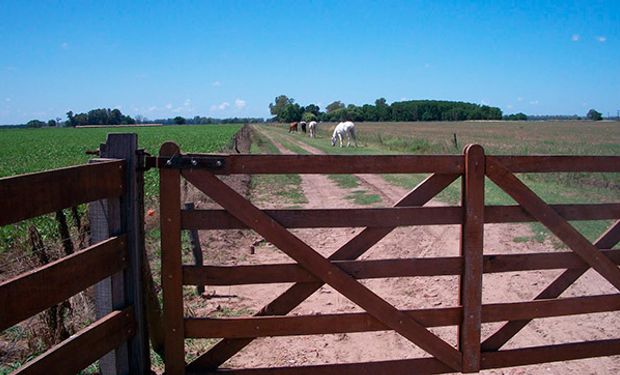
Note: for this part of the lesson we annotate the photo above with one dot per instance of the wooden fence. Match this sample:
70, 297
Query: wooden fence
341, 270
113, 261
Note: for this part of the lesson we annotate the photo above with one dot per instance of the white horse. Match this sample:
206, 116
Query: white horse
312, 129
343, 128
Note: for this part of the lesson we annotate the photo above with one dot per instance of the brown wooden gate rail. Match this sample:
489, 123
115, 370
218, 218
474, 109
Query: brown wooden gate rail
341, 269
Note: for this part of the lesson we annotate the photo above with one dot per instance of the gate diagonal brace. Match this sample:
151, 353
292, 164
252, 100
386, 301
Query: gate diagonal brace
299, 292
320, 267
540, 210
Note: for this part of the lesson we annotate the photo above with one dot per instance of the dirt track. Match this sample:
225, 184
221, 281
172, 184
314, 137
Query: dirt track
421, 292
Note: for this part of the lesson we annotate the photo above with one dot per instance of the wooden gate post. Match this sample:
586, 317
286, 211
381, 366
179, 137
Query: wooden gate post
110, 218
472, 234
194, 239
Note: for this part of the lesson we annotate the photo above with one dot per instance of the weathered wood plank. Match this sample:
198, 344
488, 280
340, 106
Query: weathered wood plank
390, 217
364, 322
374, 269
551, 353
85, 347
321, 267
608, 239
125, 146
505, 358
472, 235
35, 194
516, 214
329, 218
552, 220
170, 209
327, 164
542, 164
59, 280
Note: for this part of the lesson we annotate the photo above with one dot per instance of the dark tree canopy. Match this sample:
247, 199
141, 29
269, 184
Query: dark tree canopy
594, 115
516, 117
411, 110
280, 103
99, 116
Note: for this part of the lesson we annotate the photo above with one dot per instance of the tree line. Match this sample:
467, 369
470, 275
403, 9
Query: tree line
284, 109
199, 120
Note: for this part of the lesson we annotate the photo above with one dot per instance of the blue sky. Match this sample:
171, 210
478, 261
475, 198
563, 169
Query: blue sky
232, 58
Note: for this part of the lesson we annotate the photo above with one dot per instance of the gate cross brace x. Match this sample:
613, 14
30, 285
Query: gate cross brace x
322, 268
494, 342
299, 292
565, 232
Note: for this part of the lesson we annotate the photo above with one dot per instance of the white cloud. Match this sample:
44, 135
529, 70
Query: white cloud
534, 102
240, 104
168, 106
575, 37
216, 84
152, 108
519, 99
601, 39
509, 106
64, 45
7, 99
187, 102
220, 107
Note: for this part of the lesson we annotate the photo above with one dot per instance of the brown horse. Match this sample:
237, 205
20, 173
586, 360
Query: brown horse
292, 127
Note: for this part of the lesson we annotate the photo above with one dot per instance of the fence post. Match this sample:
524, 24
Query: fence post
194, 239
124, 216
472, 234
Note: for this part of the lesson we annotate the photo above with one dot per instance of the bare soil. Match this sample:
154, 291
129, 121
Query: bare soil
222, 247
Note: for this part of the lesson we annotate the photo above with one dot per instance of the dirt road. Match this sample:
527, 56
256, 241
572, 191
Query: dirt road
409, 293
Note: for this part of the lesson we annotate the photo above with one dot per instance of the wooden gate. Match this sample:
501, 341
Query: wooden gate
341, 270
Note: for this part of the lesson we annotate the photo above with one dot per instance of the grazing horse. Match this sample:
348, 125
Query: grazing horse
312, 125
343, 128
303, 126
292, 127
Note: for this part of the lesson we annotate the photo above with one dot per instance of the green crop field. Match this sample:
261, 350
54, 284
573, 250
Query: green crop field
33, 150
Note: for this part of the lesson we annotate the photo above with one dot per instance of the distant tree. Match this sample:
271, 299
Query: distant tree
179, 120
383, 110
70, 119
334, 106
516, 117
280, 103
308, 116
35, 124
52, 123
594, 115
313, 108
291, 112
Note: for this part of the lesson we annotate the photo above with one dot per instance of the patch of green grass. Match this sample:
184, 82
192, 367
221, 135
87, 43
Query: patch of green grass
287, 187
345, 181
362, 197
